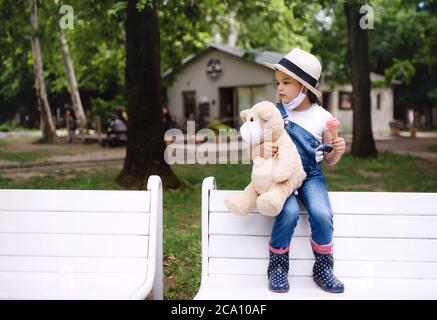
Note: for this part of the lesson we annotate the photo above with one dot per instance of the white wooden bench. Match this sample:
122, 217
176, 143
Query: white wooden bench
385, 247
81, 244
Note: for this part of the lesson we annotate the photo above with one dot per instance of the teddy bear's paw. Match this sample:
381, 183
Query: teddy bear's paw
234, 207
267, 204
280, 175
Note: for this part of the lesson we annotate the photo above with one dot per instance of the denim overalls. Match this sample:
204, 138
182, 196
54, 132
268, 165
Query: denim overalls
312, 193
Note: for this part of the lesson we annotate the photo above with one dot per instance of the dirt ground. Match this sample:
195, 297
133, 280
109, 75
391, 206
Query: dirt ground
79, 156
61, 156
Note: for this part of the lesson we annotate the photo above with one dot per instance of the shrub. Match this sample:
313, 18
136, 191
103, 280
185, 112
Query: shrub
217, 125
11, 125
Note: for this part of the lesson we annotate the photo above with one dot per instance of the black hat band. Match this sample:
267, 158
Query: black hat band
298, 71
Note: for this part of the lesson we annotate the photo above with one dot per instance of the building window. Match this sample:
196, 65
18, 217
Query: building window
378, 101
248, 96
345, 100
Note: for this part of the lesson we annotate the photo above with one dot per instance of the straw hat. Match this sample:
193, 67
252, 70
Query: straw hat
302, 66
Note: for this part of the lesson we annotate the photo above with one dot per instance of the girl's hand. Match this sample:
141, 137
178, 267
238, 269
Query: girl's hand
339, 146
268, 149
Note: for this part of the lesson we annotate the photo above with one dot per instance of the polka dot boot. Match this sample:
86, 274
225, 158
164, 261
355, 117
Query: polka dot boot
277, 270
323, 273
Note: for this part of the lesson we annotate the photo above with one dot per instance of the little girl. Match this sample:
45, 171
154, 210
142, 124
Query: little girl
305, 121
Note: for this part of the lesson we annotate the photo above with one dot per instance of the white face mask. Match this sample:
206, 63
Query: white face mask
294, 103
251, 132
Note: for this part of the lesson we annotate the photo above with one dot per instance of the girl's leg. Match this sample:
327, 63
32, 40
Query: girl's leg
284, 224
314, 196
283, 227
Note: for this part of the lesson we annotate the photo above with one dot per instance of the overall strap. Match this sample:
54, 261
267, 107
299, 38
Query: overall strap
282, 110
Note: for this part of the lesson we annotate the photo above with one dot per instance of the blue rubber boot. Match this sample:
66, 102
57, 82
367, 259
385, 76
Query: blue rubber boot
323, 273
277, 270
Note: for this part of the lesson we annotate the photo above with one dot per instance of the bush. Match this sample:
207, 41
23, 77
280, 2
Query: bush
217, 125
105, 109
11, 125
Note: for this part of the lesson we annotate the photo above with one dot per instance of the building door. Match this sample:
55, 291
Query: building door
228, 111
326, 99
189, 100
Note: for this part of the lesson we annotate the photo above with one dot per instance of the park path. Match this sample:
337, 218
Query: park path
86, 156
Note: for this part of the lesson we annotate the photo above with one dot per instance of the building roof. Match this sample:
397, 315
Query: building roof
259, 57
379, 77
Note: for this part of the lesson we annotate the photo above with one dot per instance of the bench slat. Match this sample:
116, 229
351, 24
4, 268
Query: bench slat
372, 226
255, 287
74, 222
75, 200
362, 269
381, 203
73, 245
21, 285
344, 248
73, 264
385, 247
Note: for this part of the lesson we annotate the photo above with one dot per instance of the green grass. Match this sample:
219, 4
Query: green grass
182, 224
24, 157
18, 139
182, 236
388, 172
3, 143
103, 179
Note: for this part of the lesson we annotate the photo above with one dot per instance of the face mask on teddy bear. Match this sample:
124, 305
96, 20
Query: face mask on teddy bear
294, 103
251, 132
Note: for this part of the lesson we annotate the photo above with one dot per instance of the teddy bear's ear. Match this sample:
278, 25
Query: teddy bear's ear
266, 114
243, 114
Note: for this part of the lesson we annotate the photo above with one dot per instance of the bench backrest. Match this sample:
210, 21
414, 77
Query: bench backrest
81, 244
376, 235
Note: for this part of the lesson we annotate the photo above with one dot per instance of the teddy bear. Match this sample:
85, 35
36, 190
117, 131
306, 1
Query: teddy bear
273, 180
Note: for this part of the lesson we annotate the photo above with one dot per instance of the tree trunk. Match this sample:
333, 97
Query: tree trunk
72, 83
363, 144
145, 147
47, 125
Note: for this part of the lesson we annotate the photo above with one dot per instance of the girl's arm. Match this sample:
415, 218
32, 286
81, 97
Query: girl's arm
339, 146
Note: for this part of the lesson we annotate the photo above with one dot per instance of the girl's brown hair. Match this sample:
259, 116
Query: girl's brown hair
313, 98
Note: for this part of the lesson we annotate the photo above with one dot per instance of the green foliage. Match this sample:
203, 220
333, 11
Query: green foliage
11, 125
432, 95
328, 34
273, 25
96, 45
401, 69
186, 27
217, 125
106, 108
402, 45
117, 8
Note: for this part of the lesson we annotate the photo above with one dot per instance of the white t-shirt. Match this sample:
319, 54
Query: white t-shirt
312, 119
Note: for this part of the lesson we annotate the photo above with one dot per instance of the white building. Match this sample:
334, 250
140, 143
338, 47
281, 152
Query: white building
221, 81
